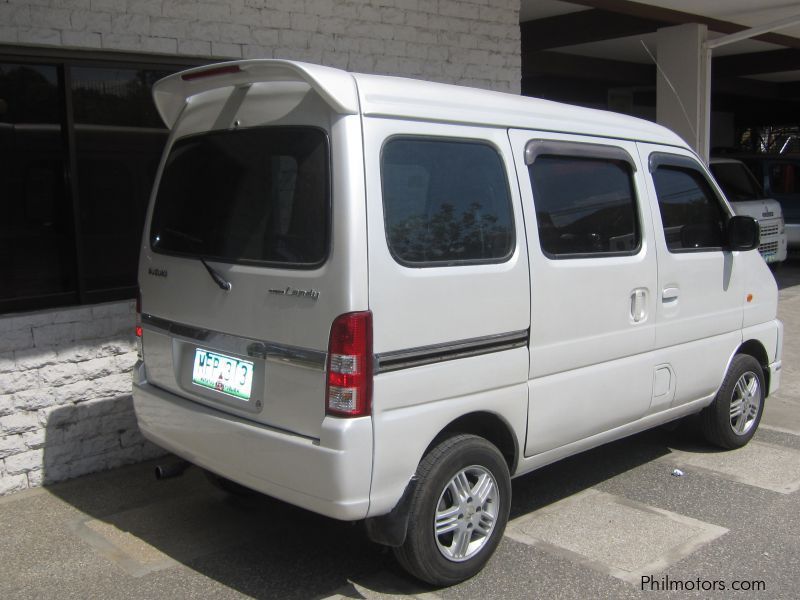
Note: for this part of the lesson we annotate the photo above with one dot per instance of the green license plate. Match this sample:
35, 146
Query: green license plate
223, 374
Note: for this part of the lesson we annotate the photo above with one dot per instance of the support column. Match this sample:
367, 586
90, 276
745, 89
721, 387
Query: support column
685, 105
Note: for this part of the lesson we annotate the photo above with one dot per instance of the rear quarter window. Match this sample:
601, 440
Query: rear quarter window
446, 202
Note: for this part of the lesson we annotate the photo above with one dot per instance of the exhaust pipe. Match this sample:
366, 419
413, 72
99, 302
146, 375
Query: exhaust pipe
174, 469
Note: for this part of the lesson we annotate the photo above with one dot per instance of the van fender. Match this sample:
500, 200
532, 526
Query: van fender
755, 348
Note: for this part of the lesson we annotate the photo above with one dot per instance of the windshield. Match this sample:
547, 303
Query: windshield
736, 181
258, 195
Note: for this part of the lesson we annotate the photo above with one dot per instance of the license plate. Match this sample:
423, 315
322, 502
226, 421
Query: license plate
224, 374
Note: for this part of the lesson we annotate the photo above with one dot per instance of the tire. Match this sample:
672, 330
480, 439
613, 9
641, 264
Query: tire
732, 419
465, 480
228, 486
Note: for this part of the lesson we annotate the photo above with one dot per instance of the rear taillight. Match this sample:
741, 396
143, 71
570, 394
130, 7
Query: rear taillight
138, 313
139, 350
349, 389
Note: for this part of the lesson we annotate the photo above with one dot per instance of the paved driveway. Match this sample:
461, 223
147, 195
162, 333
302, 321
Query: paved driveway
611, 523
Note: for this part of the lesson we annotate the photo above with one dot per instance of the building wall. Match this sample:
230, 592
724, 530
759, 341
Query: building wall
65, 394
471, 42
65, 404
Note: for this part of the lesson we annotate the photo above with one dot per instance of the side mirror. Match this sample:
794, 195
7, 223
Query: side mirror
743, 233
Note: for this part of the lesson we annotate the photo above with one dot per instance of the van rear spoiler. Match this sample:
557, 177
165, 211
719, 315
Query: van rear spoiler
336, 87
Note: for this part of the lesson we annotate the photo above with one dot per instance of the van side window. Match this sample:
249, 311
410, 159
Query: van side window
692, 216
445, 202
585, 206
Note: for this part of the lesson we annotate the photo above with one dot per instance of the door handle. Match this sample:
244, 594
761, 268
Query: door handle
638, 305
670, 294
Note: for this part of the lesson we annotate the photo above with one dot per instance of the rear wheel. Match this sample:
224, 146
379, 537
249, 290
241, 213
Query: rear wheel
459, 511
732, 419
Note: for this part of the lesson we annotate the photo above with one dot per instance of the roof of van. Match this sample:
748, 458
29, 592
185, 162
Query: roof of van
379, 95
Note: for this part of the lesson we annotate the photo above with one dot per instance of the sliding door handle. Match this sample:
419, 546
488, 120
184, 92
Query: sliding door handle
670, 294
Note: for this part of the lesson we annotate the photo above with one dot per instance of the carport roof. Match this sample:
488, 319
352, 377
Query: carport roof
614, 30
601, 40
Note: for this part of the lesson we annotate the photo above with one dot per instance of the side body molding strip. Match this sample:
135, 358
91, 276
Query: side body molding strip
426, 355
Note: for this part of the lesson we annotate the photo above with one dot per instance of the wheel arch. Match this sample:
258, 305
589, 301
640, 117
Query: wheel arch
490, 426
756, 349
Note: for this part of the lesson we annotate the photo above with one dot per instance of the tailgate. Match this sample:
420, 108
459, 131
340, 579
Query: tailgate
238, 275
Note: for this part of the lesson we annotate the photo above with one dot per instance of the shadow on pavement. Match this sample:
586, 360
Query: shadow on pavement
582, 471
265, 548
257, 546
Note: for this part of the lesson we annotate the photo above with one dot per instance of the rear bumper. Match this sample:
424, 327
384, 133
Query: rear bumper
330, 476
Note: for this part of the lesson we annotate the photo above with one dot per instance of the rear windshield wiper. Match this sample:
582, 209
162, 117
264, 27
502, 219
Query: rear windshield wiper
223, 283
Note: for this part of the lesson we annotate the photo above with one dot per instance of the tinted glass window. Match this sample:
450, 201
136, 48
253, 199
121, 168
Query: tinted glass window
445, 202
255, 195
584, 206
37, 257
690, 212
112, 96
77, 165
119, 139
736, 181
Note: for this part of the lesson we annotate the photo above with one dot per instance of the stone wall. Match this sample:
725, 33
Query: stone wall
65, 394
471, 42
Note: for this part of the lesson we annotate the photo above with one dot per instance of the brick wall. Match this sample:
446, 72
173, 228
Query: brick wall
471, 42
65, 395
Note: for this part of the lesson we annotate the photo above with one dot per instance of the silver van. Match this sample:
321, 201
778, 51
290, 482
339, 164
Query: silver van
381, 299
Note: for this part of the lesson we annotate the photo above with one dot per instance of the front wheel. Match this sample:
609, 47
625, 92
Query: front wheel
458, 512
732, 419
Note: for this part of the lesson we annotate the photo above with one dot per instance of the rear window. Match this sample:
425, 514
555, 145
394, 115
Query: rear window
258, 195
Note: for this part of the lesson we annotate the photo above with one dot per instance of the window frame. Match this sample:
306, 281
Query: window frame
537, 148
64, 60
680, 161
512, 247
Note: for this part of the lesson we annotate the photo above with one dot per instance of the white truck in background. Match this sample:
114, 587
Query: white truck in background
746, 197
